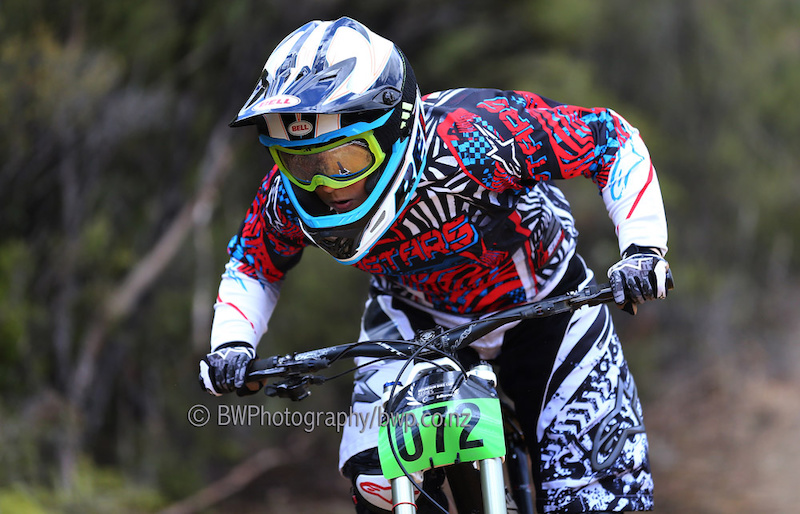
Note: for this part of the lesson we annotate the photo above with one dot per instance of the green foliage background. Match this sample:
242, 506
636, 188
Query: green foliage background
120, 186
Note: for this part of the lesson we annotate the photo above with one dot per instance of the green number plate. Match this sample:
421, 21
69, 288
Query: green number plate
441, 433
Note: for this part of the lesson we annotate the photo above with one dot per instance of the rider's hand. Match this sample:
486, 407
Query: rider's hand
224, 370
641, 275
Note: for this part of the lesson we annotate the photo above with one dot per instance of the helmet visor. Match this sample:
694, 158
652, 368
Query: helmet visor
335, 165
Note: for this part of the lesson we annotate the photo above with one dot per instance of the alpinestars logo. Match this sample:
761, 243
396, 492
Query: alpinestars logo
619, 425
454, 237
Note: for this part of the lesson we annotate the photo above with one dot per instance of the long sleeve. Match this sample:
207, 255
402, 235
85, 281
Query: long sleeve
243, 308
268, 245
601, 145
558, 141
632, 196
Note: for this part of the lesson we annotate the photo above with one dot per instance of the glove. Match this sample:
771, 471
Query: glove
224, 370
641, 275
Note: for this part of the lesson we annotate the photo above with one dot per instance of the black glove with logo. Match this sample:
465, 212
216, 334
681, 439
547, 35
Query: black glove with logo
224, 369
642, 275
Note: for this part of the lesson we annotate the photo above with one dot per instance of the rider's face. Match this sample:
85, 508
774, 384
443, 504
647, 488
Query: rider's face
343, 199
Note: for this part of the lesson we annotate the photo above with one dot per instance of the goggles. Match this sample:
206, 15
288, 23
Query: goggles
337, 165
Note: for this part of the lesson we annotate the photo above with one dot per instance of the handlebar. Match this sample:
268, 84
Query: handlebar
298, 369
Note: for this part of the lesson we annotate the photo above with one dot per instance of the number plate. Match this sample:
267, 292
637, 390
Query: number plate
432, 425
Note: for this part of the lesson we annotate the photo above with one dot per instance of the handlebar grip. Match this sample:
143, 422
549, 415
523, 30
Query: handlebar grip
257, 366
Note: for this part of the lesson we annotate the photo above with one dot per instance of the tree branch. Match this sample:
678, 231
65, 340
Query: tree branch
215, 165
238, 478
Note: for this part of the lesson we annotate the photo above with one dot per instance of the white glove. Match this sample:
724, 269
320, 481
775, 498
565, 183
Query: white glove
641, 275
224, 370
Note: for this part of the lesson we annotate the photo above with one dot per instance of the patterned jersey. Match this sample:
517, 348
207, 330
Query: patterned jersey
486, 228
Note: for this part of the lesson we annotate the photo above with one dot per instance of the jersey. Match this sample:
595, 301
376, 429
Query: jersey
486, 228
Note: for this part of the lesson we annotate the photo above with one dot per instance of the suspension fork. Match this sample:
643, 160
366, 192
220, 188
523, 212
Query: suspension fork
403, 496
519, 477
492, 479
493, 483
402, 487
493, 486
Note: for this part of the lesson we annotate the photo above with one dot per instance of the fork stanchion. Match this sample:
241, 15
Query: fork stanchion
493, 486
403, 496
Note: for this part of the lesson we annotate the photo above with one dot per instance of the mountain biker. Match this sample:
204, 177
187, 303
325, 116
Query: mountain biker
448, 201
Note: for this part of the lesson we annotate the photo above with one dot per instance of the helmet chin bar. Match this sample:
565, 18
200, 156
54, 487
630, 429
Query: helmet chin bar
340, 242
337, 246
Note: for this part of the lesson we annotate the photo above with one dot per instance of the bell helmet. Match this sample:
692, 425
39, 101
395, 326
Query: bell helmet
331, 81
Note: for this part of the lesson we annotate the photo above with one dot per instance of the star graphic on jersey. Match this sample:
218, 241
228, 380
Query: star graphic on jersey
513, 167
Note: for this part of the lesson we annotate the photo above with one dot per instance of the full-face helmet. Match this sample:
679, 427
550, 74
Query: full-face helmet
335, 104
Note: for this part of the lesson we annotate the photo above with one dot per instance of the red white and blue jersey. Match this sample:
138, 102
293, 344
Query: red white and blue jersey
486, 228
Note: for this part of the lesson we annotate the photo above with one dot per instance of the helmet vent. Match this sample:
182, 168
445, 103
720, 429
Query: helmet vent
302, 73
380, 219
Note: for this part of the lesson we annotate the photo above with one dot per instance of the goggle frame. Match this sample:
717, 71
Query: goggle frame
320, 179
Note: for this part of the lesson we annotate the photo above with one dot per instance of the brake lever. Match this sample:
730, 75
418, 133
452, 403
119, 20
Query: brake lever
287, 365
294, 388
